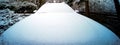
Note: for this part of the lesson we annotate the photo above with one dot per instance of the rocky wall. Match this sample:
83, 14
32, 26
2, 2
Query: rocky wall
102, 6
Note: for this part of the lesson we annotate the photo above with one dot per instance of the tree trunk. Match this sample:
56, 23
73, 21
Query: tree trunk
87, 10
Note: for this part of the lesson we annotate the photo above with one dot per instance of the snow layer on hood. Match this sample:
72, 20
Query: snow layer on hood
51, 28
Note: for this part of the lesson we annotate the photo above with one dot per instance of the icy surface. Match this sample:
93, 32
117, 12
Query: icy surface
58, 26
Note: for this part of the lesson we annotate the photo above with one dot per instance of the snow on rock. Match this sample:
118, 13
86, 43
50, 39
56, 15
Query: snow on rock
4, 0
8, 18
58, 24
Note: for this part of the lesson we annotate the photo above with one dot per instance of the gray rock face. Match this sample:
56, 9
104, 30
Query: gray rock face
102, 6
99, 6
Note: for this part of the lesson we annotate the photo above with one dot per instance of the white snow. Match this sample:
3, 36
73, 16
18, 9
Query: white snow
55, 8
58, 24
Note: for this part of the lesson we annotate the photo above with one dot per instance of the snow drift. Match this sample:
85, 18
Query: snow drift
58, 24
